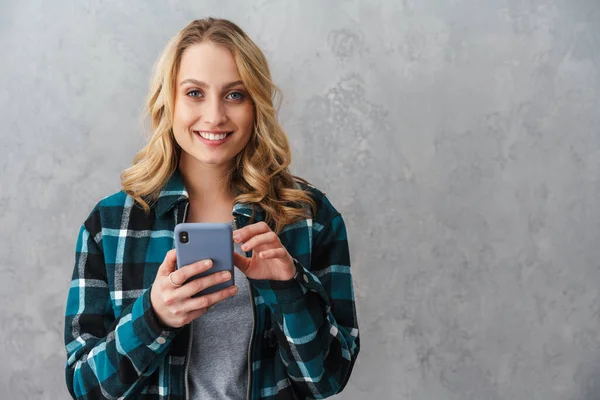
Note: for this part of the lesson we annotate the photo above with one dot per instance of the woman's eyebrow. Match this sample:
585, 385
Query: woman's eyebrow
204, 85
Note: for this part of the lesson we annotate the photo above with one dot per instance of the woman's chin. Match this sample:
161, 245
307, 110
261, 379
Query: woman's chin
213, 160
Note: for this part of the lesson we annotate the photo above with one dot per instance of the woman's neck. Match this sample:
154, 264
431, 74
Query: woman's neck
206, 184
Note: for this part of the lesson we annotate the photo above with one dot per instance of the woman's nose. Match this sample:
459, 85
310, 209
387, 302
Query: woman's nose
214, 112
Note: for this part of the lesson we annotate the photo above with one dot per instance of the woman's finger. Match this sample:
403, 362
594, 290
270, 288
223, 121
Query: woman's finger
265, 239
169, 264
247, 232
181, 276
279, 252
197, 303
195, 314
199, 284
241, 262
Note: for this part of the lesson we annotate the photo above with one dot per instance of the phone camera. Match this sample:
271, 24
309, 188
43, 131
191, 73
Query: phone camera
183, 237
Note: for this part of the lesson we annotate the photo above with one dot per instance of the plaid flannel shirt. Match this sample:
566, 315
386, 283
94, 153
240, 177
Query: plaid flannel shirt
305, 339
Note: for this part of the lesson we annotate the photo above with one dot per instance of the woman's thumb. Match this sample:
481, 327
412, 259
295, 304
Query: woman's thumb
241, 262
169, 264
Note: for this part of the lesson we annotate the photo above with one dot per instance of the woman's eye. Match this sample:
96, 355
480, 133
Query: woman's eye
236, 96
194, 93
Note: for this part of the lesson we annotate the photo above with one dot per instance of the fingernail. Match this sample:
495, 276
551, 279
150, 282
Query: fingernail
225, 275
244, 247
233, 290
207, 263
236, 238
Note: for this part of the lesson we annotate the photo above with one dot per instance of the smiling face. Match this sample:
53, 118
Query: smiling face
213, 113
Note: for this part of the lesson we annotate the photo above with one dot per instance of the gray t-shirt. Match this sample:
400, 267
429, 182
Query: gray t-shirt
218, 366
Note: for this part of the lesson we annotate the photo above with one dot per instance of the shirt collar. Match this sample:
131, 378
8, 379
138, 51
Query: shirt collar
174, 191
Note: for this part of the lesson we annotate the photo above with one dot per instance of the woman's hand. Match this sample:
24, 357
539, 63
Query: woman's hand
172, 300
270, 260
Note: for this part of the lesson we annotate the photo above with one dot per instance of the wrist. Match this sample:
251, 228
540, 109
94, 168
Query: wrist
290, 273
158, 320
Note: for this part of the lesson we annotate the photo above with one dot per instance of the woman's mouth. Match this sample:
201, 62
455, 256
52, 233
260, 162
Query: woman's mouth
212, 137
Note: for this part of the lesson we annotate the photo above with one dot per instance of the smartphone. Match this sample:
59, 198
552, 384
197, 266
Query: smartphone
195, 241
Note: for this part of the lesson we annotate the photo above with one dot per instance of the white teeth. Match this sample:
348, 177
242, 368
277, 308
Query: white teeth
212, 136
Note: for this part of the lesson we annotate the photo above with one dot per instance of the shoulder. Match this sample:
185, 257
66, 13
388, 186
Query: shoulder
108, 211
325, 211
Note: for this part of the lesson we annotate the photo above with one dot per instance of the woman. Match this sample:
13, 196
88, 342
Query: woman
132, 327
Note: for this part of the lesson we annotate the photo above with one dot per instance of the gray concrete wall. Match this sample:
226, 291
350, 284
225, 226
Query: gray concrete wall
459, 138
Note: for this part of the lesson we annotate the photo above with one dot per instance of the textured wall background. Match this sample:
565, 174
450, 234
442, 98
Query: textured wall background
460, 139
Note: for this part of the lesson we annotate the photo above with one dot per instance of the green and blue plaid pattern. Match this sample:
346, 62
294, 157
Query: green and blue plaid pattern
305, 339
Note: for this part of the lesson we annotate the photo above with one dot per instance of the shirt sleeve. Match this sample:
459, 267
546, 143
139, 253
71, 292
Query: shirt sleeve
108, 356
314, 317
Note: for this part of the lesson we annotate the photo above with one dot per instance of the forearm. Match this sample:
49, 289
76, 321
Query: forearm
318, 338
113, 361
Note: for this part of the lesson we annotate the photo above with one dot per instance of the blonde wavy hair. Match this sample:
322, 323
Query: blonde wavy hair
260, 174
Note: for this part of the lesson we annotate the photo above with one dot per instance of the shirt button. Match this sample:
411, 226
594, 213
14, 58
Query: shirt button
161, 340
306, 278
